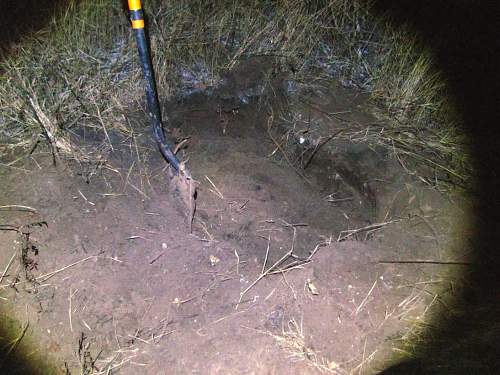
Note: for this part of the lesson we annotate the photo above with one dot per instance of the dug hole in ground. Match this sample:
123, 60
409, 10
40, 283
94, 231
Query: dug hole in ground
311, 252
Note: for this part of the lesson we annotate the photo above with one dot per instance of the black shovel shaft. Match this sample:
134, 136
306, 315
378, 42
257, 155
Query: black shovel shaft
137, 19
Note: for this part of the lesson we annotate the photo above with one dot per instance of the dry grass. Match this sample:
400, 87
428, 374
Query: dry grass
73, 81
63, 82
293, 342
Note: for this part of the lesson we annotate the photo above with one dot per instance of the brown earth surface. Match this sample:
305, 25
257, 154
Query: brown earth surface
116, 272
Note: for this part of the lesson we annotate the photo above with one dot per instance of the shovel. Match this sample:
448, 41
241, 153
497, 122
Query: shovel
180, 177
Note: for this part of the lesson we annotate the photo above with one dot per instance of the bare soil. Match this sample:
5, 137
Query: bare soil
117, 274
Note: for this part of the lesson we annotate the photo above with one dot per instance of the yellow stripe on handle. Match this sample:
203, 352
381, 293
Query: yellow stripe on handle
138, 24
134, 5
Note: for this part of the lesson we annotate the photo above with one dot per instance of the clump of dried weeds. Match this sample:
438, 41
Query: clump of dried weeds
72, 82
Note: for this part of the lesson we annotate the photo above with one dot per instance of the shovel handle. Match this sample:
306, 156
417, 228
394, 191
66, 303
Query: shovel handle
137, 21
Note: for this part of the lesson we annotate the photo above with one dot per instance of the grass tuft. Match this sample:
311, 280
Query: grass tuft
82, 72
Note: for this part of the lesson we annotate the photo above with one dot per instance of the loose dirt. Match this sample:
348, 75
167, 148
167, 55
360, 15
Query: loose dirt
116, 282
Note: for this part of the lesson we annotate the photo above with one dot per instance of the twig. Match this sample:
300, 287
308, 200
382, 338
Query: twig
99, 117
289, 267
16, 342
134, 237
237, 262
424, 261
267, 253
86, 325
262, 275
273, 269
180, 145
220, 320
217, 191
156, 257
154, 338
56, 143
243, 205
345, 234
179, 302
47, 276
71, 294
318, 146
85, 198
12, 167
8, 266
14, 207
338, 200
288, 284
293, 225
365, 299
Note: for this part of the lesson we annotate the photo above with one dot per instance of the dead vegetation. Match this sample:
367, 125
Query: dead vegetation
27, 249
293, 342
69, 85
